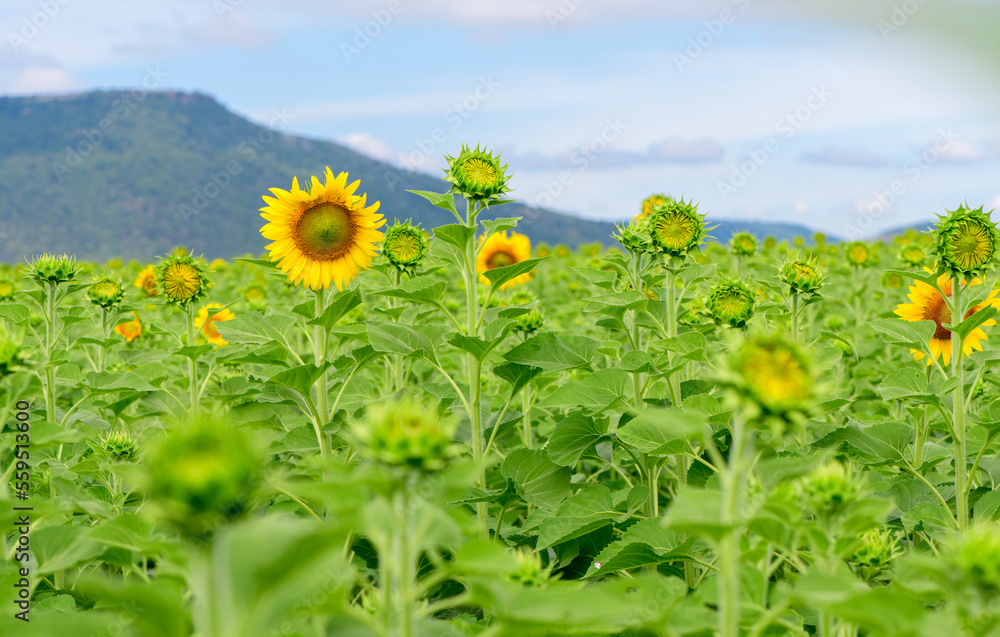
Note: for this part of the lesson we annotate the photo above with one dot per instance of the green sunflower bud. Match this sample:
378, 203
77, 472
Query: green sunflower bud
743, 244
878, 548
181, 279
965, 242
830, 489
7, 289
912, 255
801, 274
407, 433
48, 268
676, 228
530, 571
477, 175
731, 302
106, 292
405, 245
770, 243
118, 445
977, 557
114, 264
859, 254
531, 321
203, 474
770, 380
634, 236
892, 280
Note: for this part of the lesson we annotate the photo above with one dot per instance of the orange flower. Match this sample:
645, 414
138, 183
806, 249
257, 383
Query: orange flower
147, 281
131, 330
207, 325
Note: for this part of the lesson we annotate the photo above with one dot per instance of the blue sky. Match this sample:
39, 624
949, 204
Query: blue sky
850, 119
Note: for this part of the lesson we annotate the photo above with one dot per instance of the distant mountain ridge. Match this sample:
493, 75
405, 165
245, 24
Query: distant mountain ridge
131, 174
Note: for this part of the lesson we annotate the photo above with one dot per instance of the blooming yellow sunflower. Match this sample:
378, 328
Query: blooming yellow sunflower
131, 330
499, 250
322, 234
207, 324
147, 281
928, 305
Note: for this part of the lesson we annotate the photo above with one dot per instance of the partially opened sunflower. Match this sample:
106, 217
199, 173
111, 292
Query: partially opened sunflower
928, 305
321, 235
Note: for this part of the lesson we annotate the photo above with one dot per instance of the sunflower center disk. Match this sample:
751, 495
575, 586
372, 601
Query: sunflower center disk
971, 247
325, 231
777, 375
480, 172
500, 259
405, 247
675, 230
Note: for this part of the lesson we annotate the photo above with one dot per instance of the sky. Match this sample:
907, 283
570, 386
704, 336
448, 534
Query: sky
851, 117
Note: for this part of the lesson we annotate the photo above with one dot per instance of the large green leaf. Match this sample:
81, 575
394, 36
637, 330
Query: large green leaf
587, 511
498, 276
554, 352
598, 391
253, 328
575, 436
663, 431
538, 480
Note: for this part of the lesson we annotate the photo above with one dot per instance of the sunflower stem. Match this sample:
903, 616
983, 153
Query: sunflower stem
192, 364
475, 367
319, 359
958, 410
675, 381
795, 316
50, 372
729, 546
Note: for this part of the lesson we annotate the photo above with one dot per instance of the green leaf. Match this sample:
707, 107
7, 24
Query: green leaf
598, 391
662, 432
455, 234
14, 313
539, 481
479, 348
965, 327
927, 516
575, 436
516, 374
58, 548
264, 263
601, 278
419, 290
554, 353
875, 450
637, 362
407, 340
498, 276
253, 328
627, 300
914, 334
587, 511
698, 512
110, 382
906, 383
500, 224
194, 352
645, 543
440, 199
337, 306
300, 378
987, 508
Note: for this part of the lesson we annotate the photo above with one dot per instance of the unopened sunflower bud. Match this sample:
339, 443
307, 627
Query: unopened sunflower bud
830, 489
181, 279
743, 244
801, 274
965, 242
731, 302
912, 255
106, 292
48, 268
407, 433
477, 175
676, 228
118, 445
7, 289
405, 245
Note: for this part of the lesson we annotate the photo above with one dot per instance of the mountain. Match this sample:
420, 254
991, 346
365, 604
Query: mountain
132, 174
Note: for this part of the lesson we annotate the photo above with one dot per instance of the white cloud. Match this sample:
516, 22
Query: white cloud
42, 79
960, 150
844, 156
367, 144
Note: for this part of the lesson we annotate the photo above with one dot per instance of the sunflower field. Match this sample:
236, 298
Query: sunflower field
376, 429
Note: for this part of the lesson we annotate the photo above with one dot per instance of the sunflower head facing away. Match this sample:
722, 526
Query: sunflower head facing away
731, 302
651, 202
927, 304
913, 255
181, 279
859, 254
206, 320
499, 250
130, 330
321, 235
477, 175
965, 241
106, 292
146, 281
634, 236
743, 244
676, 227
405, 245
801, 274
